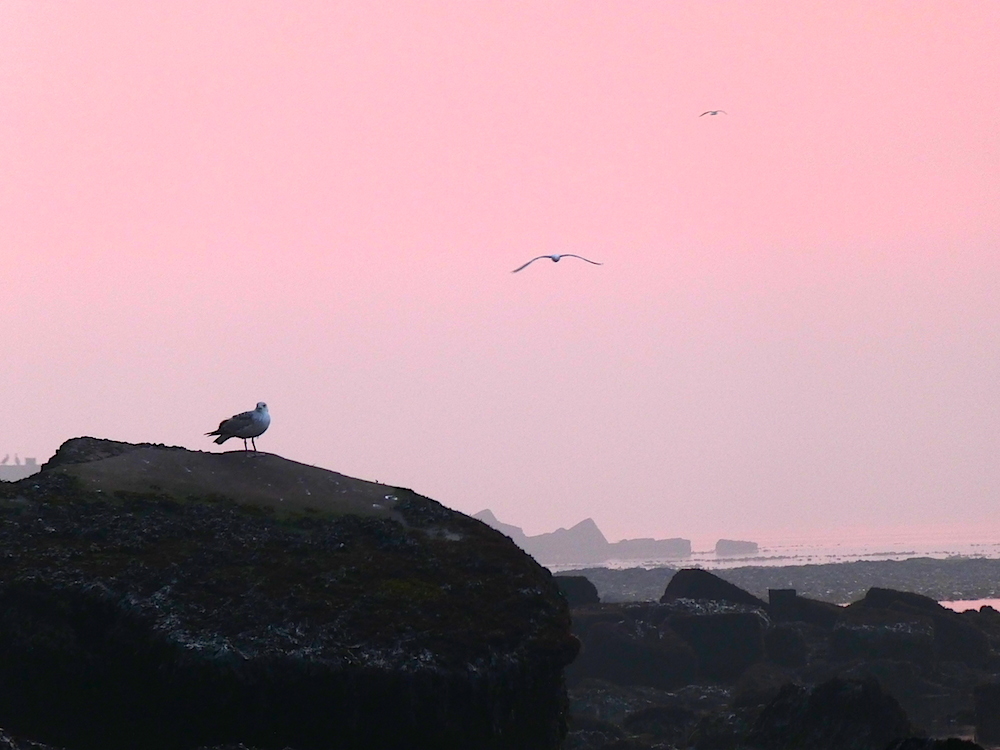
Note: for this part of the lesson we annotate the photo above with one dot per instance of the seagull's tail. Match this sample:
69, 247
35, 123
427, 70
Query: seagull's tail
221, 439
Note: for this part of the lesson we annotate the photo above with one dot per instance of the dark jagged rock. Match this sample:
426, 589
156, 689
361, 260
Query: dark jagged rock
578, 590
162, 598
837, 715
695, 583
726, 643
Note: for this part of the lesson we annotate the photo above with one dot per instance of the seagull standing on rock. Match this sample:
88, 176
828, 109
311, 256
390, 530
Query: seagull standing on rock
555, 259
248, 425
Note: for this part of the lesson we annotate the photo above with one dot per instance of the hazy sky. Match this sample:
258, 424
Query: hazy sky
318, 205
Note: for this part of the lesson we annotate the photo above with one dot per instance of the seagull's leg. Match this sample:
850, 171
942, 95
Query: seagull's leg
244, 444
253, 442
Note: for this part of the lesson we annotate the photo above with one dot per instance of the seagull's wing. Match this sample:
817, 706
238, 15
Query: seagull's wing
723, 111
571, 255
705, 113
239, 421
233, 424
521, 268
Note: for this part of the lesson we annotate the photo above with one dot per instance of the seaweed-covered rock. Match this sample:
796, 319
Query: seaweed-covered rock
162, 598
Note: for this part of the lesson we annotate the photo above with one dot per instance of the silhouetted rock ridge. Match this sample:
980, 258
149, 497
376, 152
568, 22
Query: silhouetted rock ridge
584, 543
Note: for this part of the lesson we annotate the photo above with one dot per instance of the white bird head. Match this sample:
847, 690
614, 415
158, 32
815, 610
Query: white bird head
261, 406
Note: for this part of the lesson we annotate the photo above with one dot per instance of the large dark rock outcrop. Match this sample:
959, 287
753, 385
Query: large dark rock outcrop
162, 598
695, 583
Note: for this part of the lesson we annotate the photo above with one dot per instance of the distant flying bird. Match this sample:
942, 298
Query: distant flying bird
248, 425
5, 459
714, 112
555, 259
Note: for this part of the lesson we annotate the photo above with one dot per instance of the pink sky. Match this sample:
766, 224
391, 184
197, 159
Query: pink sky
795, 329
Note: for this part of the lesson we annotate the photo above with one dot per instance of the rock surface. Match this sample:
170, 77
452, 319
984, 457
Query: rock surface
164, 598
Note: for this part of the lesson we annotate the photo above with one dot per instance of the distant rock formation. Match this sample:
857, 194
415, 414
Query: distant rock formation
585, 544
649, 549
162, 598
516, 533
736, 547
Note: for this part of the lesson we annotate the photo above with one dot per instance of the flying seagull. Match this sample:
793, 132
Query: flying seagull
714, 112
248, 425
555, 259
